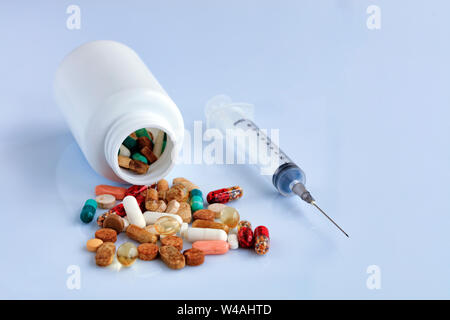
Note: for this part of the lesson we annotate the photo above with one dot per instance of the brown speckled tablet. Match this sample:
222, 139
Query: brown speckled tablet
105, 254
147, 251
106, 235
172, 257
115, 222
194, 257
204, 214
173, 241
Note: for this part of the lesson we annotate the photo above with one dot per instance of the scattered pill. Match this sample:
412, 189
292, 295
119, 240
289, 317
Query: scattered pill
93, 244
210, 224
105, 254
173, 241
245, 237
185, 182
172, 207
117, 192
115, 222
230, 217
147, 251
167, 225
140, 235
217, 208
244, 223
135, 190
185, 212
105, 201
197, 234
262, 240
162, 185
177, 192
204, 214
152, 194
233, 241
225, 195
151, 217
196, 200
106, 235
194, 257
212, 246
88, 211
134, 213
173, 258
155, 205
127, 254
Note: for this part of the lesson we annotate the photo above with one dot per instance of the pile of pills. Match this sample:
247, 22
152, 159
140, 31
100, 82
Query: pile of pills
156, 221
140, 149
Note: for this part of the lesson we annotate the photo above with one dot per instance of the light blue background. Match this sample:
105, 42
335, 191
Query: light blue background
365, 113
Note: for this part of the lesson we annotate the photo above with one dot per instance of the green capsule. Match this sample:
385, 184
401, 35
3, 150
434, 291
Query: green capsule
130, 143
196, 203
88, 211
143, 133
196, 192
139, 157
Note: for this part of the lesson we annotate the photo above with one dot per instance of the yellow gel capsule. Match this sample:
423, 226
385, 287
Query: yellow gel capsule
167, 225
127, 254
229, 216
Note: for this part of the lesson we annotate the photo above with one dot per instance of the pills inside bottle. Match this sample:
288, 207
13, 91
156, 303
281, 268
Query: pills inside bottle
167, 225
141, 149
230, 217
127, 254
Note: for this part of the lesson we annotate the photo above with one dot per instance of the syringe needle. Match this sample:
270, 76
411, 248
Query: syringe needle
315, 205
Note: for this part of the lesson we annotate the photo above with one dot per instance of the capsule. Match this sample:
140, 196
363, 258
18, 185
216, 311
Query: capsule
167, 225
120, 210
225, 195
133, 210
152, 216
212, 246
244, 223
230, 217
135, 190
196, 200
262, 240
88, 211
127, 254
198, 234
245, 237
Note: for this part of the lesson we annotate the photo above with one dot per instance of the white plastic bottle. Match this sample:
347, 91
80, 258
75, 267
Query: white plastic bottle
106, 92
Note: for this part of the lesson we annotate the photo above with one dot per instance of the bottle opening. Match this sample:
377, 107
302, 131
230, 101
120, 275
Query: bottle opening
141, 155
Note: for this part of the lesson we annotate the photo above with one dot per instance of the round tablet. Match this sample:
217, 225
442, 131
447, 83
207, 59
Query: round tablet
93, 244
105, 201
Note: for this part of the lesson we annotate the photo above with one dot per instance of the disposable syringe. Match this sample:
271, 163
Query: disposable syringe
287, 177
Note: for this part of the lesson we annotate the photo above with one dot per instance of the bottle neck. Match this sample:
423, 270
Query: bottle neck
128, 124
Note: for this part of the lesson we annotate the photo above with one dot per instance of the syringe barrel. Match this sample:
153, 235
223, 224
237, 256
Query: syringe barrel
234, 121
